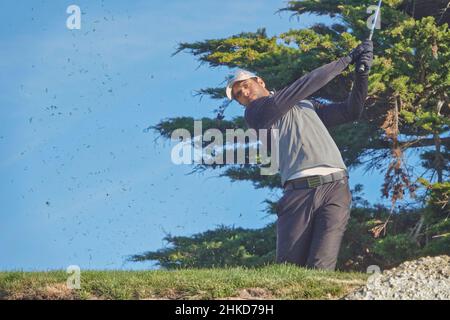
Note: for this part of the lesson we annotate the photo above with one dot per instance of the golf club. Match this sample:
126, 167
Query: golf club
362, 68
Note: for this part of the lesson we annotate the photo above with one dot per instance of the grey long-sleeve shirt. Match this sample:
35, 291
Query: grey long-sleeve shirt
304, 141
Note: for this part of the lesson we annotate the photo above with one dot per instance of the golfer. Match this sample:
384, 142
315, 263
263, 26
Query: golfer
315, 207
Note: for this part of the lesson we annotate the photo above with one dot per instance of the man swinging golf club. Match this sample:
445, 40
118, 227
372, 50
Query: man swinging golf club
315, 207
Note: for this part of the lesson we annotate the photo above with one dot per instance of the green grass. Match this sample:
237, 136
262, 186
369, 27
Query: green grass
270, 282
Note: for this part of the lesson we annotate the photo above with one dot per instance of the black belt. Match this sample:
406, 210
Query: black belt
314, 181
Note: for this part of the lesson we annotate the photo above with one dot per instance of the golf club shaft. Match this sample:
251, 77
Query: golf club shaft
362, 67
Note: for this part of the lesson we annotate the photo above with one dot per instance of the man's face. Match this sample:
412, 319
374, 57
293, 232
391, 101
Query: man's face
249, 90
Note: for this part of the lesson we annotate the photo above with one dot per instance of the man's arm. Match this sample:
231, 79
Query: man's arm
333, 114
263, 112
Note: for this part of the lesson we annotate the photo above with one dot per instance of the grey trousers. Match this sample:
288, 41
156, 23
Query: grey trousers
311, 224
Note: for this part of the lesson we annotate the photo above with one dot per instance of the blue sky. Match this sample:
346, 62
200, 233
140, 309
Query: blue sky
82, 182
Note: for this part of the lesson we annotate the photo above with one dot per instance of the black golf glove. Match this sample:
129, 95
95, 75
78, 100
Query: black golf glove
366, 46
366, 59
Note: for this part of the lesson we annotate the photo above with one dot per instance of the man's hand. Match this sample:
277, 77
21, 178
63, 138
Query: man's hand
366, 59
365, 47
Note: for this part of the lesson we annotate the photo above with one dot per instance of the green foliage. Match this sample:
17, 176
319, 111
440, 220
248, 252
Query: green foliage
395, 249
438, 246
363, 245
437, 218
427, 121
223, 247
419, 54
